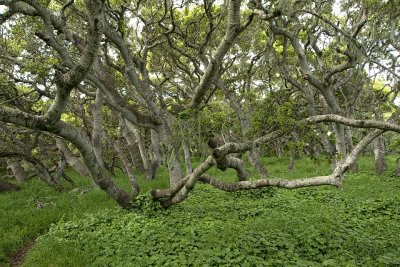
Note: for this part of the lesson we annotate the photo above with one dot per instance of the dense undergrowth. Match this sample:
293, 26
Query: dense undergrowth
28, 213
357, 225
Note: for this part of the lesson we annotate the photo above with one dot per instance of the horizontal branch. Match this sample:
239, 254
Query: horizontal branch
276, 182
228, 148
6, 154
355, 123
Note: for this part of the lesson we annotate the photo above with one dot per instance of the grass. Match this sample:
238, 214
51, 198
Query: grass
21, 221
358, 224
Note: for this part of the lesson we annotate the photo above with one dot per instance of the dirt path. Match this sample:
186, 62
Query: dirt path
18, 257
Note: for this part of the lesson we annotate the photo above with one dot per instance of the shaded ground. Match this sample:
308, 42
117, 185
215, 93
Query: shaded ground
18, 257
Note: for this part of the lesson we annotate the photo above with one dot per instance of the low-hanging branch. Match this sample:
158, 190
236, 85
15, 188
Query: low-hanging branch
387, 126
29, 158
181, 190
277, 182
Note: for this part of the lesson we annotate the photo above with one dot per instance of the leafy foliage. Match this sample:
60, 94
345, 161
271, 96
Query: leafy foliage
357, 225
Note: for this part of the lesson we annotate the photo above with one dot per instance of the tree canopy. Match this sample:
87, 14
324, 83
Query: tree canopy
144, 83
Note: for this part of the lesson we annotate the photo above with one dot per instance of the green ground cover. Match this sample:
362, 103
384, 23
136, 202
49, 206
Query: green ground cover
357, 225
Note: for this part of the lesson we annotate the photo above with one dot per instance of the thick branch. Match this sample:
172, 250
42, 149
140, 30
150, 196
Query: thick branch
233, 31
77, 138
355, 123
69, 80
277, 182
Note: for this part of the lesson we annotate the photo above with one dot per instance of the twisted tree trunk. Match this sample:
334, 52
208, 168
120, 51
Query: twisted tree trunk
132, 147
18, 171
71, 159
155, 153
142, 148
186, 155
379, 149
350, 146
98, 127
380, 155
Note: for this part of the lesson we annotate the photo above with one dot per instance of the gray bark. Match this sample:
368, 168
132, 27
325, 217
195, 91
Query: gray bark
379, 147
155, 154
255, 160
142, 148
51, 122
239, 166
43, 173
278, 151
232, 32
350, 146
186, 155
126, 165
174, 148
245, 124
369, 124
118, 149
380, 155
398, 167
338, 129
132, 147
349, 134
18, 171
181, 190
71, 159
60, 169
174, 168
292, 160
340, 140
98, 127
77, 138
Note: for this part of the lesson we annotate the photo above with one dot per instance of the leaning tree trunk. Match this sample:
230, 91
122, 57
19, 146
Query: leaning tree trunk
60, 169
186, 155
71, 159
98, 127
379, 149
155, 153
292, 160
380, 155
134, 153
255, 160
254, 154
398, 167
349, 137
175, 144
142, 148
126, 166
350, 146
330, 106
174, 168
18, 171
278, 151
340, 140
132, 147
44, 174
245, 124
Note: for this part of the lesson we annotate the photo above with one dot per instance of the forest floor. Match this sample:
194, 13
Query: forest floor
357, 225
